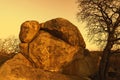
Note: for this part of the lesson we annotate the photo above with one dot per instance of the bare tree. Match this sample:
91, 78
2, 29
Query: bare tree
102, 19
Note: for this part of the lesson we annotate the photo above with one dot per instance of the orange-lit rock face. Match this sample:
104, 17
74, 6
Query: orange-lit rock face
51, 45
51, 53
19, 68
24, 48
55, 45
28, 30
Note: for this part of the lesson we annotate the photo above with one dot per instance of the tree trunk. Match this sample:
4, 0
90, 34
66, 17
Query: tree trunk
104, 63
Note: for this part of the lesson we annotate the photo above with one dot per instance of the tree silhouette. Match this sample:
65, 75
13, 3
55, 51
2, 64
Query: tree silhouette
102, 19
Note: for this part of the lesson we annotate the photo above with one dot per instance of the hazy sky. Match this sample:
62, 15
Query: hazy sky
14, 12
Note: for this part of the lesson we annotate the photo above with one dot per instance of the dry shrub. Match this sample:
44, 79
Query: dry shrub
8, 48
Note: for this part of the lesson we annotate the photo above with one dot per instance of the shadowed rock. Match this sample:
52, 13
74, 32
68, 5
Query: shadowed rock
65, 30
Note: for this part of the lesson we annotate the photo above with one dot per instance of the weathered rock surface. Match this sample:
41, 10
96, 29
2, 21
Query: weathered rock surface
81, 67
50, 53
28, 31
65, 30
52, 45
19, 68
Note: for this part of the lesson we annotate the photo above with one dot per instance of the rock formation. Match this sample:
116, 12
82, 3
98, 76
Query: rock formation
51, 45
55, 47
19, 68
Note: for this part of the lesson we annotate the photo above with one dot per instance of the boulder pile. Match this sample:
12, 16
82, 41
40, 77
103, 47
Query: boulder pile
55, 48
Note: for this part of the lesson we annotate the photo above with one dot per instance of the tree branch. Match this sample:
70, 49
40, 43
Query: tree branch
116, 39
115, 52
117, 22
106, 18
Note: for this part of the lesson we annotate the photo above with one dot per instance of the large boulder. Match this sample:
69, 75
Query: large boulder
28, 31
65, 30
52, 45
50, 53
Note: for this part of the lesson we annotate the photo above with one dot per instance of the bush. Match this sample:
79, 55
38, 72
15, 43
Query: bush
8, 48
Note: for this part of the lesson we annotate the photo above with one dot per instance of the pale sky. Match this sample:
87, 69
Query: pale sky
14, 12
